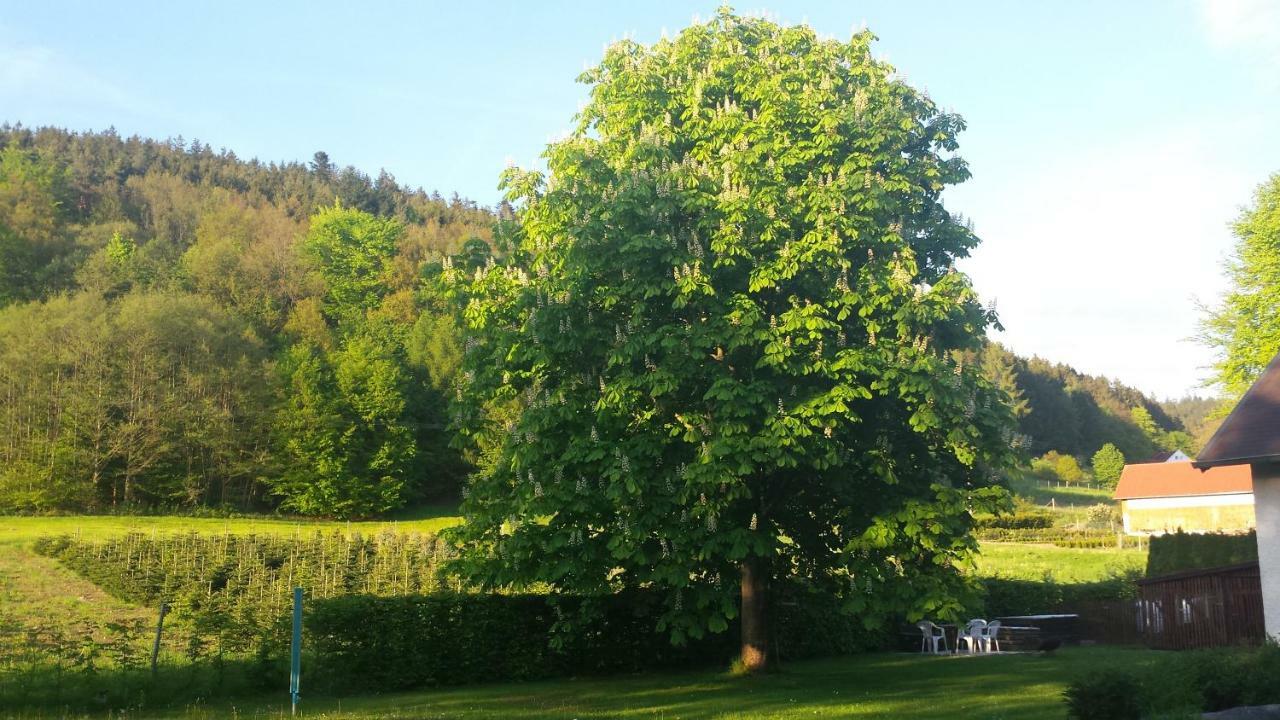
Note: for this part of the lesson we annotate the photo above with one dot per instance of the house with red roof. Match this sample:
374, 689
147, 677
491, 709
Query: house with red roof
1168, 496
1250, 437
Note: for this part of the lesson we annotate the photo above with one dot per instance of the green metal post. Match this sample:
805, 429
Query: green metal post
295, 656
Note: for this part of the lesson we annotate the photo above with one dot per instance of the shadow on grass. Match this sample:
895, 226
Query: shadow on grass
866, 686
56, 690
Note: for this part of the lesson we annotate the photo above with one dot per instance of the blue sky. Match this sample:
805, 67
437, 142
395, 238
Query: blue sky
1111, 143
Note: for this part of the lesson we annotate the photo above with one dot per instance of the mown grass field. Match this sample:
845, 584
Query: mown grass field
1024, 561
881, 685
25, 529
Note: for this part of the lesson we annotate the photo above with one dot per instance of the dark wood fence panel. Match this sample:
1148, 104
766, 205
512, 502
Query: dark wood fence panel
1205, 609
1213, 607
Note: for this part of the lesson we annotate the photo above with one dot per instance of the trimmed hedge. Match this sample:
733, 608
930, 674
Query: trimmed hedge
1021, 519
1061, 537
366, 643
1007, 596
1185, 683
1180, 551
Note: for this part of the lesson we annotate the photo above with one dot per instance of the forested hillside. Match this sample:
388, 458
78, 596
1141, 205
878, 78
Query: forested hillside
180, 327
183, 328
1201, 416
1062, 409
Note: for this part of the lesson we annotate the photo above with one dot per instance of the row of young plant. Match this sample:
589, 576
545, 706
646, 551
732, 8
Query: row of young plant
229, 599
255, 573
233, 589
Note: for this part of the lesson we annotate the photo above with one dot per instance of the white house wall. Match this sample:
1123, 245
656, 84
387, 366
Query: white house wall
1228, 512
1266, 487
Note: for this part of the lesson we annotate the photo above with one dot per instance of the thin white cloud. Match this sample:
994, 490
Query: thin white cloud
1241, 22
1248, 26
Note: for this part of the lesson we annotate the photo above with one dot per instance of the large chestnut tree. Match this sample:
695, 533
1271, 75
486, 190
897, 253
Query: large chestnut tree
726, 346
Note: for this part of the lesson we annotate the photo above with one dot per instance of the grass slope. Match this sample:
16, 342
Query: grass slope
24, 529
1060, 496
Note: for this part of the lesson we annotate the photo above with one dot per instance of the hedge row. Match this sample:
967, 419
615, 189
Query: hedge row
364, 643
1061, 537
1179, 685
1022, 518
1180, 551
1007, 596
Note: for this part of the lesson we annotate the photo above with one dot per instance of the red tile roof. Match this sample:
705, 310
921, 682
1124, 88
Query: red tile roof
1180, 479
1251, 433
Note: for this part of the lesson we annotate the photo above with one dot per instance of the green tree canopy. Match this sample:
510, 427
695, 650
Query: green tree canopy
359, 419
1107, 465
352, 250
33, 242
1244, 329
734, 332
349, 448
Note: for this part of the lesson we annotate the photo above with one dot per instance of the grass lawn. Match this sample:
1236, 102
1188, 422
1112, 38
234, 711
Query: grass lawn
865, 686
1027, 561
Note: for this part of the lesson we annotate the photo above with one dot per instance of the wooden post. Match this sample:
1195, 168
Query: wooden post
155, 647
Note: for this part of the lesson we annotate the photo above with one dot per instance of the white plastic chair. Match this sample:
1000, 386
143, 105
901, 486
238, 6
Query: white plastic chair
991, 637
933, 637
971, 635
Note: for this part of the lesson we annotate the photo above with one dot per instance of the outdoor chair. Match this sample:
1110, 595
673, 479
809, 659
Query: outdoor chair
971, 635
991, 637
933, 638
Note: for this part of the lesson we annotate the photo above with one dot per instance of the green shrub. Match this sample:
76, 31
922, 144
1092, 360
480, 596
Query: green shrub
1175, 552
1105, 695
1057, 467
1184, 683
1025, 515
1228, 678
1103, 515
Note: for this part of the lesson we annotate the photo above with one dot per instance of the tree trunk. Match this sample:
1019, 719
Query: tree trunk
756, 656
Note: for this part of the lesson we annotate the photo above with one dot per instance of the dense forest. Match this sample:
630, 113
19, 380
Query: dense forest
1200, 416
182, 328
1061, 409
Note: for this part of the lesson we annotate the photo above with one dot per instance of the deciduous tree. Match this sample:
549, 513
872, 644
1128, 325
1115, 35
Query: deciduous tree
732, 328
1107, 465
1244, 329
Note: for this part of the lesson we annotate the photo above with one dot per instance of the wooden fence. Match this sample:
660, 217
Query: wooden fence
1212, 607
